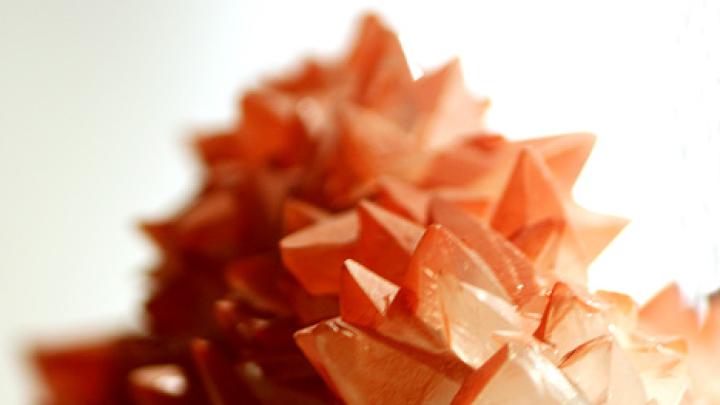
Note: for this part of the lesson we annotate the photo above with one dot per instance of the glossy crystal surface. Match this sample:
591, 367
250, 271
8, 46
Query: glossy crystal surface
361, 237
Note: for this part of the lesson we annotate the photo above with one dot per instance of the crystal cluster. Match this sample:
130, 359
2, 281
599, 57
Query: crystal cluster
362, 237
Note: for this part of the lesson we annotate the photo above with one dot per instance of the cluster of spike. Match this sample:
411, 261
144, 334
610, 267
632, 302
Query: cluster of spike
361, 237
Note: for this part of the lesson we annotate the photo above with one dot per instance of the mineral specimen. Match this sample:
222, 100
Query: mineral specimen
361, 237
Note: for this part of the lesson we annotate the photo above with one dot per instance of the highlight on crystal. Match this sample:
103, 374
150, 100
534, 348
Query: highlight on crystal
361, 237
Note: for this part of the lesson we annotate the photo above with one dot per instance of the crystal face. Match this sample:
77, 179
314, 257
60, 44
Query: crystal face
360, 237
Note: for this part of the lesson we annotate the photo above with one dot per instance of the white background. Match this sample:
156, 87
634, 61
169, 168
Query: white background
99, 97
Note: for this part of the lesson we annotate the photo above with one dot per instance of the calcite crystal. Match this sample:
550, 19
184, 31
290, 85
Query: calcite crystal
361, 237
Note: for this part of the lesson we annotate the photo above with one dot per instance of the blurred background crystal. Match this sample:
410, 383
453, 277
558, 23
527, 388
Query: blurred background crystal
98, 99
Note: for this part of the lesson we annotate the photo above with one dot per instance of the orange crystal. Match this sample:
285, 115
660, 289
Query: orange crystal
361, 237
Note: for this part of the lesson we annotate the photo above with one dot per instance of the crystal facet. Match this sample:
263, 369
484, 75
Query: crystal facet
361, 237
